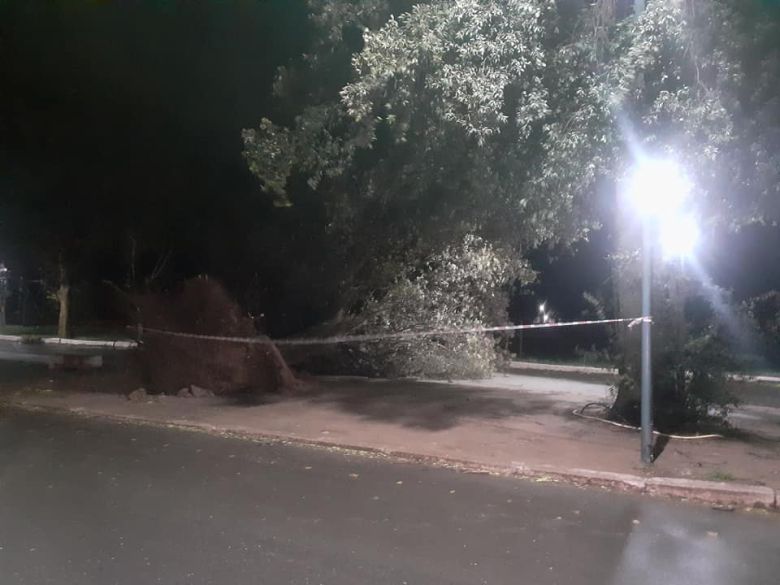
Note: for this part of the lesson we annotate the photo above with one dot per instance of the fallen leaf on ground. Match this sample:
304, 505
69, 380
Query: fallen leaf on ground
723, 507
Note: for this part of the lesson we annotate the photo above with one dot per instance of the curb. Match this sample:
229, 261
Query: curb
711, 491
88, 343
718, 494
561, 368
524, 366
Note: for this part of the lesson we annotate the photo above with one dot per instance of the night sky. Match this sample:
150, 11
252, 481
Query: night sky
139, 106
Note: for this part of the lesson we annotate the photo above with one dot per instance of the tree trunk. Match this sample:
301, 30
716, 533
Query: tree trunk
63, 298
131, 262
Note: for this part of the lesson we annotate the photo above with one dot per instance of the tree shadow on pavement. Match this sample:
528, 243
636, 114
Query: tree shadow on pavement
423, 405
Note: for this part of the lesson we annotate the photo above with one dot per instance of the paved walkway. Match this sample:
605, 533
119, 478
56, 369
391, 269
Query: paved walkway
574, 391
497, 427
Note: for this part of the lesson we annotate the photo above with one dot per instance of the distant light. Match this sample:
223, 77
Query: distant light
679, 236
542, 307
546, 317
658, 187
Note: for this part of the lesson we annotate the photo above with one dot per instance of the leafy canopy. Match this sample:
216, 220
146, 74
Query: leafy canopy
415, 123
699, 81
467, 115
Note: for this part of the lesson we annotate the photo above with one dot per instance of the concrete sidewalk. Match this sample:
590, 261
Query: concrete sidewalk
498, 430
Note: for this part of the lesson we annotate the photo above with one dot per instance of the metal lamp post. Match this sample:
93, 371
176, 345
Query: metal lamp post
658, 189
647, 380
4, 292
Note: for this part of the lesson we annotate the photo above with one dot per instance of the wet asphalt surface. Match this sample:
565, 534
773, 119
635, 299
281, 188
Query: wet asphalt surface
87, 502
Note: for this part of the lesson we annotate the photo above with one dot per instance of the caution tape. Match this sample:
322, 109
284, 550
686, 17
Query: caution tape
373, 337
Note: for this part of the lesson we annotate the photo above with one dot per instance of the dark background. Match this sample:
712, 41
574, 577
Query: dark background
122, 121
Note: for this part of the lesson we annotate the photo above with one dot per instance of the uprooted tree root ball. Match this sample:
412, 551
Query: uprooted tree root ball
203, 307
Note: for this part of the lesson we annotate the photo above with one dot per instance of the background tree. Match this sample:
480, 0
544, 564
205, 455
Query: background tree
764, 310
692, 81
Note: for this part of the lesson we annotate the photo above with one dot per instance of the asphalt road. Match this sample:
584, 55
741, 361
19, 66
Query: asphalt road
85, 502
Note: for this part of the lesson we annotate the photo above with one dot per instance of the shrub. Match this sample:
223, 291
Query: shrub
692, 357
764, 311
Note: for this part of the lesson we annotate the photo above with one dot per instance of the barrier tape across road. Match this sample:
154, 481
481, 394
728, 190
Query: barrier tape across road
371, 337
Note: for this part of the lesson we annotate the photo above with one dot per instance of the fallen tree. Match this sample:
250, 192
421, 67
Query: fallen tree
202, 307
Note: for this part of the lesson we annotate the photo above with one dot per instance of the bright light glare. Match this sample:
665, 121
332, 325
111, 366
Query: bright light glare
679, 236
541, 307
658, 187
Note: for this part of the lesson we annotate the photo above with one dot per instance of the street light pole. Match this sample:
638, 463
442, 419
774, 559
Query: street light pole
658, 189
647, 382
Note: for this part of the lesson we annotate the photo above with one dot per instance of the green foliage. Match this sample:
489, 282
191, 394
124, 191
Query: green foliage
418, 123
504, 114
691, 80
449, 120
689, 383
692, 357
462, 287
462, 54
698, 81
764, 311
719, 475
473, 116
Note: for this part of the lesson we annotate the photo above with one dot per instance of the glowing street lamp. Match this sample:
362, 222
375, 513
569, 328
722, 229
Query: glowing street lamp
658, 190
679, 236
544, 316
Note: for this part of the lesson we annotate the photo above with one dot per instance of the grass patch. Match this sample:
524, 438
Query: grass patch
719, 475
